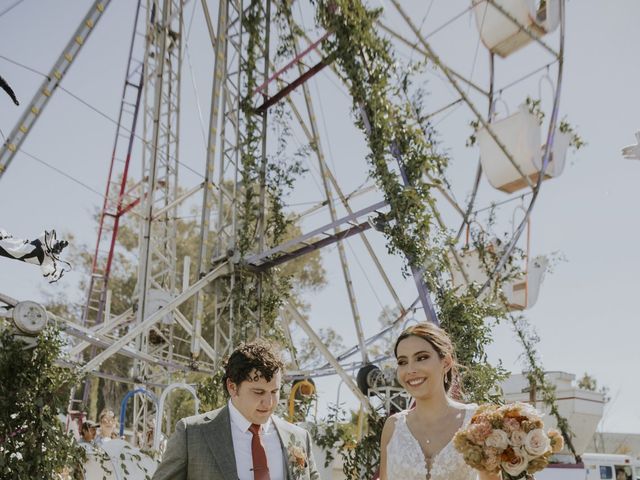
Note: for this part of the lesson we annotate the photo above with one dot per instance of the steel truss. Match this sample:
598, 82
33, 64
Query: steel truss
157, 325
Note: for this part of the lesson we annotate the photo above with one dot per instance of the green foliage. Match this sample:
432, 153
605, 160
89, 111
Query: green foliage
537, 380
576, 140
535, 108
366, 60
362, 460
464, 317
34, 389
211, 391
565, 127
333, 433
589, 382
258, 296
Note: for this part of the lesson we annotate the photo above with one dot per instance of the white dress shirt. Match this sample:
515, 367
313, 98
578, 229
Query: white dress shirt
242, 446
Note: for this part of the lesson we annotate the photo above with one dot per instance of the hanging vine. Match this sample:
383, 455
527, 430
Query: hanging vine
265, 182
401, 152
537, 380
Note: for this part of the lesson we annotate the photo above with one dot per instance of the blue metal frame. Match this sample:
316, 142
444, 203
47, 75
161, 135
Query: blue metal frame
123, 404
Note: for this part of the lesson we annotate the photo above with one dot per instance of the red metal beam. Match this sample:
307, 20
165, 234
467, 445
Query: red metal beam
296, 83
295, 60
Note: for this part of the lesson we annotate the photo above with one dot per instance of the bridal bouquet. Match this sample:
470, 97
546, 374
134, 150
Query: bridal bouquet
508, 439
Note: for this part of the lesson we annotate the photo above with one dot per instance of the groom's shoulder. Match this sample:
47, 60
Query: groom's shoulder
202, 418
291, 427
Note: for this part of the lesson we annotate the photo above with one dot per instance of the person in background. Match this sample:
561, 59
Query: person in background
108, 426
88, 431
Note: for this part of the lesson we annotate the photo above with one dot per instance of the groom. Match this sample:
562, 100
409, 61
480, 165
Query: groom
242, 440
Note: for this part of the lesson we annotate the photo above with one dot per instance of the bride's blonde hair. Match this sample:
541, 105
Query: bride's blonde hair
441, 343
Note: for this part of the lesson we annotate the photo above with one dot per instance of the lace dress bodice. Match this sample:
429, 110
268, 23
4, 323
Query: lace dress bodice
406, 461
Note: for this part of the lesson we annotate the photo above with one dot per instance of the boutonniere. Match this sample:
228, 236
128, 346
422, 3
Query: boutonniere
297, 457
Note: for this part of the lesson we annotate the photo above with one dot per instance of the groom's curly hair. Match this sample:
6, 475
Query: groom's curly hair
250, 361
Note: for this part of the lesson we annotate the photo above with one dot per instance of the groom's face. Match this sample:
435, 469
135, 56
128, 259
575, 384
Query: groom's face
255, 398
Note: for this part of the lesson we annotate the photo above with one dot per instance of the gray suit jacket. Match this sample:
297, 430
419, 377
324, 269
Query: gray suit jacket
201, 448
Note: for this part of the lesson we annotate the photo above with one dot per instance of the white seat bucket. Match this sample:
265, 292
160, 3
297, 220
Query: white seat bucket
117, 460
523, 294
501, 35
520, 134
520, 293
561, 142
473, 267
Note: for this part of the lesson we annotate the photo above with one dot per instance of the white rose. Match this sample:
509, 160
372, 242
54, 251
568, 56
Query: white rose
529, 411
518, 463
537, 442
497, 439
518, 438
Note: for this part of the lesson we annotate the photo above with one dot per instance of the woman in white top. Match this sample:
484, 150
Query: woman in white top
417, 444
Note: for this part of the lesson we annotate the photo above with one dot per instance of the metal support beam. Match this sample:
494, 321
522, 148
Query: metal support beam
49, 86
317, 341
316, 144
295, 84
155, 317
258, 258
331, 239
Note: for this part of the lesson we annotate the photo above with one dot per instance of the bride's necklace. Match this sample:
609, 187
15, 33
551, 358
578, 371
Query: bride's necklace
428, 459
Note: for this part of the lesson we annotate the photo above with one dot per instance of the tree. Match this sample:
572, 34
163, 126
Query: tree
589, 382
34, 390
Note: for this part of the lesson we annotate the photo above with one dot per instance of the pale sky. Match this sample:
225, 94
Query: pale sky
586, 313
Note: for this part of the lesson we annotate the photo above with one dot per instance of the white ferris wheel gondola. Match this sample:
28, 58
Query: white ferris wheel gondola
507, 25
519, 293
520, 135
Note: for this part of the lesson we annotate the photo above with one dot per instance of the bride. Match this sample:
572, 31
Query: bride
417, 444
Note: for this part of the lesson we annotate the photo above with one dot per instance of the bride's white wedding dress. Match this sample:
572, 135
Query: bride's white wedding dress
406, 461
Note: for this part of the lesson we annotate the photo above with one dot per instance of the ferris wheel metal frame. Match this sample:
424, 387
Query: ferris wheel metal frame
156, 196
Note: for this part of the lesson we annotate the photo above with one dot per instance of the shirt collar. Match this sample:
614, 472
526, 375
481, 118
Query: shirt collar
239, 420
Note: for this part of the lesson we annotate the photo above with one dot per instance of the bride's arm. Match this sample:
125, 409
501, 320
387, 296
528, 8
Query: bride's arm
387, 431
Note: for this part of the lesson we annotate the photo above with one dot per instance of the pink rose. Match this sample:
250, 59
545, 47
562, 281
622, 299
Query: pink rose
479, 432
511, 425
537, 442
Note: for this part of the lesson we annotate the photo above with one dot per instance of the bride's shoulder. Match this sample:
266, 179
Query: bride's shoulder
465, 408
390, 422
400, 414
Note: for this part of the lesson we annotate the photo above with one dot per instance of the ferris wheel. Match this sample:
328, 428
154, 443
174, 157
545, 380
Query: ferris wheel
479, 62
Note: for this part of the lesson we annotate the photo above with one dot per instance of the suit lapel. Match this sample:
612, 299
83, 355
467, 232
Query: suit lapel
284, 435
218, 436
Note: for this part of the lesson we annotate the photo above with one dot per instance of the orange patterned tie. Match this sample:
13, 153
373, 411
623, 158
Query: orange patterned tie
259, 456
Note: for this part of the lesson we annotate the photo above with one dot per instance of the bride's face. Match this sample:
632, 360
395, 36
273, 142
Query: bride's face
421, 371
